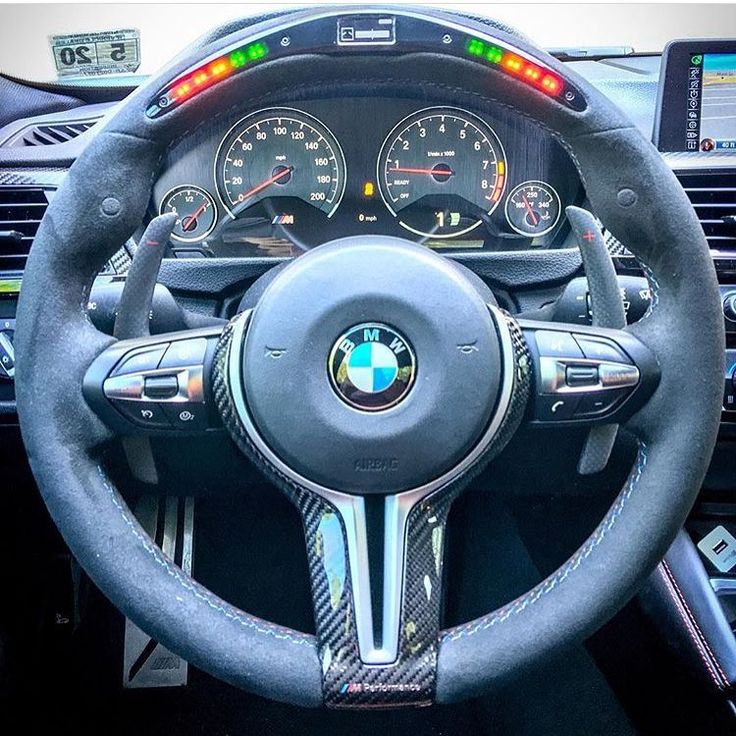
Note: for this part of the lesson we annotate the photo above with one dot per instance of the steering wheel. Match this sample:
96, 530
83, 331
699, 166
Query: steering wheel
371, 374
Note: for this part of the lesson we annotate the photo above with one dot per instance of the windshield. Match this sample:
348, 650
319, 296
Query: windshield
41, 42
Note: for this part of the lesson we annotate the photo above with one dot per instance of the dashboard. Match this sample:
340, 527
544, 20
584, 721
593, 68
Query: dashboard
281, 179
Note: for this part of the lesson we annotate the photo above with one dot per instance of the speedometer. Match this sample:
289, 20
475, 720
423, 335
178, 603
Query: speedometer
441, 172
280, 153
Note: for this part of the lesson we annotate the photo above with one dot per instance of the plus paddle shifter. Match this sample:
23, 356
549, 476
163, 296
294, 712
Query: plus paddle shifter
607, 310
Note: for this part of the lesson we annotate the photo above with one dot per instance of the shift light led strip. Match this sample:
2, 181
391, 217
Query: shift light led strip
318, 36
526, 71
212, 72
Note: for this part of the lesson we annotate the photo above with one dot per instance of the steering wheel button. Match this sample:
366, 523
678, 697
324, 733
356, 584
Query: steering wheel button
618, 376
126, 387
144, 413
600, 349
581, 375
145, 359
555, 408
186, 416
557, 344
161, 387
183, 353
598, 403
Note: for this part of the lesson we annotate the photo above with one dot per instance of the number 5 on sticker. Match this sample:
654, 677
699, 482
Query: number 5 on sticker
96, 54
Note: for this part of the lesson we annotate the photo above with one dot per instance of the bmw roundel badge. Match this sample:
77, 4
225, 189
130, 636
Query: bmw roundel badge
372, 366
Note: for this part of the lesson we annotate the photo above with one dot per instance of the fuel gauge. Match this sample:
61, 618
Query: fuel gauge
533, 208
196, 212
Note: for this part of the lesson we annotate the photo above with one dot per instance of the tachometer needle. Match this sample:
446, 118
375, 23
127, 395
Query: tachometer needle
532, 213
267, 183
431, 172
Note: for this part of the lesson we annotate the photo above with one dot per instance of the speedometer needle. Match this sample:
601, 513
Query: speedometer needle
267, 183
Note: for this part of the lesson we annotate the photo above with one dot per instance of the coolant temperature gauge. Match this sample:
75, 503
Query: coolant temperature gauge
533, 208
196, 213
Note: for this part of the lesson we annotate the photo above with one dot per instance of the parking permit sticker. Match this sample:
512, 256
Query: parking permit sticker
719, 546
96, 54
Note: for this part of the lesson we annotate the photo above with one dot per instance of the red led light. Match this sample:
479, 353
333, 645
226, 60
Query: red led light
551, 84
534, 75
210, 74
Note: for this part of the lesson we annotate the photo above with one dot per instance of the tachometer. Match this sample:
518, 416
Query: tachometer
441, 172
280, 152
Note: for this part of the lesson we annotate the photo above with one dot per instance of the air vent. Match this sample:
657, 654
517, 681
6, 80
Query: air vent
713, 195
21, 210
49, 134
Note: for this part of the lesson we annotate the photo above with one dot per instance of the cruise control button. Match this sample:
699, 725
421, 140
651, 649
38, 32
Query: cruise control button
557, 344
598, 403
597, 348
144, 359
182, 353
186, 415
555, 408
144, 413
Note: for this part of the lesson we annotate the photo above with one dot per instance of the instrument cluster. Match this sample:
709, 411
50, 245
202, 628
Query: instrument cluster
282, 179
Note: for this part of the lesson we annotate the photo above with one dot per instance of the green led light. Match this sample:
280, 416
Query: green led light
243, 56
475, 47
9, 286
256, 51
238, 59
494, 54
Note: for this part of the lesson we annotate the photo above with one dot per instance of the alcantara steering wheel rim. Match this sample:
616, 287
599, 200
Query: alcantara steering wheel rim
99, 206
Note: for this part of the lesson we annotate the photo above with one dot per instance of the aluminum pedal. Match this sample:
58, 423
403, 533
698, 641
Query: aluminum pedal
146, 663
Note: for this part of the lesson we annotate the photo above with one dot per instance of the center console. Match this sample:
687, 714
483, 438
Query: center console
692, 595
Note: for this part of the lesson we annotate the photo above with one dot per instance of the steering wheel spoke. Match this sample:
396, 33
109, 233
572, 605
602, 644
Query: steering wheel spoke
587, 375
155, 385
376, 568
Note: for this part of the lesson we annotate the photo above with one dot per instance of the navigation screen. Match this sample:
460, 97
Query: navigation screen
696, 106
712, 102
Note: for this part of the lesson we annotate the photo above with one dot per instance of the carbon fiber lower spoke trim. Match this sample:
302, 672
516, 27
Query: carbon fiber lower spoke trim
347, 681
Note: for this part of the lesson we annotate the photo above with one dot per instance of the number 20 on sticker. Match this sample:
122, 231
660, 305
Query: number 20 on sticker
93, 54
